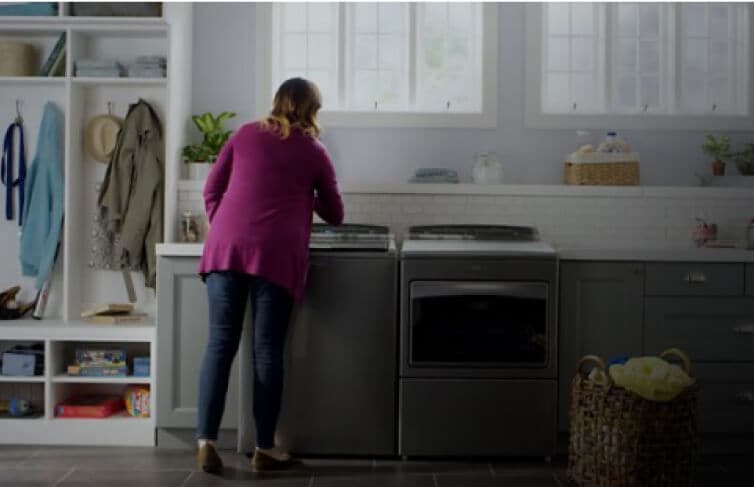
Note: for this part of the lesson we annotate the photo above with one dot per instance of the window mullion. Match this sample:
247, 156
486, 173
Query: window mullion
413, 34
342, 63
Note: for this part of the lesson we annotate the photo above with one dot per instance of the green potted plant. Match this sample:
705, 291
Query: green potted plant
719, 150
199, 156
745, 160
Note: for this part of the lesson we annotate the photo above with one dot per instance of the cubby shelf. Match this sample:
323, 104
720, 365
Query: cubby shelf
121, 81
33, 80
77, 285
22, 379
71, 379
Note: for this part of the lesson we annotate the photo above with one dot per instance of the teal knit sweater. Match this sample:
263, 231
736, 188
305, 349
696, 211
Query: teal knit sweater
43, 208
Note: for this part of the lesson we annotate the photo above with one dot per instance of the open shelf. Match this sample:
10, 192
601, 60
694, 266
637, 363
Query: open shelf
22, 379
120, 81
33, 80
72, 379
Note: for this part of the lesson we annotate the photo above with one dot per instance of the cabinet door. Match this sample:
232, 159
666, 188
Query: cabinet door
182, 330
600, 313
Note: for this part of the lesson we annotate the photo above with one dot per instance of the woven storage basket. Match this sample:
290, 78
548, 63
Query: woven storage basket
600, 169
17, 59
619, 439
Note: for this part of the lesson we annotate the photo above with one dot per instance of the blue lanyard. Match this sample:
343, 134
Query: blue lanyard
6, 171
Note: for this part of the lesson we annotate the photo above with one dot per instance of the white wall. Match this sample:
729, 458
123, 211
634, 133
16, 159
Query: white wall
223, 80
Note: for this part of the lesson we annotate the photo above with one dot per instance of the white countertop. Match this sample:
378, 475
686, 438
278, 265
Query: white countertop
603, 254
559, 190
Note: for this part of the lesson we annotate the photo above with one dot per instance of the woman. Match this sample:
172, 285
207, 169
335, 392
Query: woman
259, 199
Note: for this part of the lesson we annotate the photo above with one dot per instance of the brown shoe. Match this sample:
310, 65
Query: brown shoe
208, 459
261, 462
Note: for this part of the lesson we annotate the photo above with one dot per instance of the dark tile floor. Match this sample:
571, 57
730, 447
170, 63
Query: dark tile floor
143, 467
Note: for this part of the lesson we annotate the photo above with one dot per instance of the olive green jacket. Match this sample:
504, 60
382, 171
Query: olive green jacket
131, 197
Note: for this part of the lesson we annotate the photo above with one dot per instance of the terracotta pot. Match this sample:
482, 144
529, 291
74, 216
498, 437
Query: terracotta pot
718, 168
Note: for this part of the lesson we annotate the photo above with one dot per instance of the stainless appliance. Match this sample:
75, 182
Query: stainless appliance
340, 396
478, 342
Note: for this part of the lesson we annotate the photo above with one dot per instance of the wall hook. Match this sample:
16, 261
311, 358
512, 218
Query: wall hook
19, 118
110, 106
447, 105
375, 104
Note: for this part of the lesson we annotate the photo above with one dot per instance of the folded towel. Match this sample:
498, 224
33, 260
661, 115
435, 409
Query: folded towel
98, 64
98, 73
161, 60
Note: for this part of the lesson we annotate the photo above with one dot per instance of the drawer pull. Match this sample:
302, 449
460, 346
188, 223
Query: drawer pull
745, 397
695, 278
744, 329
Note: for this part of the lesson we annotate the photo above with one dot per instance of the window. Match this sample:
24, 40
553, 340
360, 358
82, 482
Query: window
386, 63
633, 65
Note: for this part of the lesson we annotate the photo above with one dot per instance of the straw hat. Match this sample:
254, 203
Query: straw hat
100, 136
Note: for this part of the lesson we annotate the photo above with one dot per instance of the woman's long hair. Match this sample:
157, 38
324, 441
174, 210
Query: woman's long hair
296, 104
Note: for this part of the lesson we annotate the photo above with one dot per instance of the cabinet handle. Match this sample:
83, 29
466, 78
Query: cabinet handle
744, 329
695, 278
746, 397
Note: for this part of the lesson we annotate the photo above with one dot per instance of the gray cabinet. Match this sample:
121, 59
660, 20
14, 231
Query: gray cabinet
601, 307
750, 280
708, 330
694, 279
182, 330
726, 397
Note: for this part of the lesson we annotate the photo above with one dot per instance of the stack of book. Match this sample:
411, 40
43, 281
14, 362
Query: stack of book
112, 314
98, 68
99, 363
148, 67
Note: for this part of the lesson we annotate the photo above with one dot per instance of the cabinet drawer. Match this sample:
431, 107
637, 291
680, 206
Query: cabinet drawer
726, 398
690, 279
750, 280
710, 329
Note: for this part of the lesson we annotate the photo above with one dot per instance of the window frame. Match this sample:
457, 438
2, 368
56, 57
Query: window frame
534, 117
487, 118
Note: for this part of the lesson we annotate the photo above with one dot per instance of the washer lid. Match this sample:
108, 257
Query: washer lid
476, 248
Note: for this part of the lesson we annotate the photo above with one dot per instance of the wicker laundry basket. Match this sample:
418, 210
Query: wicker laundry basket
602, 169
619, 439
17, 59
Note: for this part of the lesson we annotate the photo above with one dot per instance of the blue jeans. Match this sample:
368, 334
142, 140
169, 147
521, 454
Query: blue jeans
271, 308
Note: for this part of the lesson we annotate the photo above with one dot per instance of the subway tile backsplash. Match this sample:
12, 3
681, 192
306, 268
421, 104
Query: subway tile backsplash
564, 221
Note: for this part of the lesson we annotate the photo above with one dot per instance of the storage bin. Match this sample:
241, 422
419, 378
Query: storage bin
17, 59
619, 439
602, 169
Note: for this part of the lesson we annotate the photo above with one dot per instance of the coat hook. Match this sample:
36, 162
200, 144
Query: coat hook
110, 108
574, 107
447, 105
646, 107
19, 118
714, 107
375, 104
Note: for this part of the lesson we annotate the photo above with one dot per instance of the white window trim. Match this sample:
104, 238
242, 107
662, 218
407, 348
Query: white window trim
535, 118
489, 103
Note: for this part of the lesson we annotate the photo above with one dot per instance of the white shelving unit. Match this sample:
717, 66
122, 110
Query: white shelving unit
76, 285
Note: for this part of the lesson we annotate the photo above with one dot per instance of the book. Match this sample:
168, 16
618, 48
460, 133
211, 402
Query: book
115, 319
54, 56
58, 69
91, 406
109, 309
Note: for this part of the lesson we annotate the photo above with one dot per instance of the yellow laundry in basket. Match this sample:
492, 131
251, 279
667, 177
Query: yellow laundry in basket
651, 378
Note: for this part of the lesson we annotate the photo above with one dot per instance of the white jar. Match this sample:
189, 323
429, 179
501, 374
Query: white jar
487, 169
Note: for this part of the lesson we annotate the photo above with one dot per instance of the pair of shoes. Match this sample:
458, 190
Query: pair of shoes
208, 459
262, 462
10, 309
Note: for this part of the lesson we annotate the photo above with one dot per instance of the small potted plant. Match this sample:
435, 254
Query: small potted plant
719, 150
745, 160
199, 156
